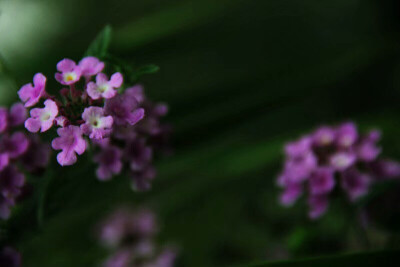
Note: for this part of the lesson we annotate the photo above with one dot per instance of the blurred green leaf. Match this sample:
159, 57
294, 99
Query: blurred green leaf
99, 46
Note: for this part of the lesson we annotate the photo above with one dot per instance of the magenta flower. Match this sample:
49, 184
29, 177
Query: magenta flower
109, 160
103, 87
346, 134
42, 118
324, 136
70, 142
69, 74
3, 119
91, 66
17, 115
315, 160
322, 181
14, 145
124, 109
31, 94
356, 184
96, 126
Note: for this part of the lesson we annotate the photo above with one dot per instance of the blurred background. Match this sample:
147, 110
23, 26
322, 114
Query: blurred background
241, 78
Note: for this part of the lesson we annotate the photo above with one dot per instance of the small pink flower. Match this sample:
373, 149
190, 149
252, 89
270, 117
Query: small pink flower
91, 66
31, 94
96, 125
42, 118
70, 72
103, 87
70, 142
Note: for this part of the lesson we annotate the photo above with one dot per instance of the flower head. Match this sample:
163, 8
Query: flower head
42, 118
31, 94
316, 160
70, 142
69, 72
90, 66
96, 126
103, 87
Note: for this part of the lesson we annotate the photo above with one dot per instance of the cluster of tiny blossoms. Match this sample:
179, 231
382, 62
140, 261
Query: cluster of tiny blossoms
19, 153
330, 155
130, 236
90, 110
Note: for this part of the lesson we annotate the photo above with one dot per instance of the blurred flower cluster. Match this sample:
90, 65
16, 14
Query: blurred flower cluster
93, 109
317, 162
19, 153
130, 235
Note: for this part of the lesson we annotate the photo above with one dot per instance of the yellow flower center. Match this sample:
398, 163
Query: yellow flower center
68, 77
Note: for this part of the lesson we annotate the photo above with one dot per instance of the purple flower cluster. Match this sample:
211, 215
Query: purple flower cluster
130, 235
16, 150
9, 257
96, 107
317, 162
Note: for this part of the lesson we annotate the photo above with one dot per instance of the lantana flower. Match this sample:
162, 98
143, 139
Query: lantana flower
69, 74
31, 94
91, 66
330, 156
103, 87
42, 118
71, 143
130, 235
94, 113
96, 126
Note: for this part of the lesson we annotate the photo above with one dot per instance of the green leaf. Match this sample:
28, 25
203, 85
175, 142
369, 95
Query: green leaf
147, 69
99, 46
376, 258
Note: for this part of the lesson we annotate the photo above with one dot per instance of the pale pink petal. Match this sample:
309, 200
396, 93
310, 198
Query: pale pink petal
135, 116
66, 65
101, 78
92, 91
32, 125
25, 92
110, 93
116, 80
39, 80
66, 158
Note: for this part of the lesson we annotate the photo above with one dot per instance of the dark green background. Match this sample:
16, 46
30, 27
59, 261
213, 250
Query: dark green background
241, 77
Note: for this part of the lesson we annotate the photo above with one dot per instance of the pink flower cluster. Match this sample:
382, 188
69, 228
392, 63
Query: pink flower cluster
18, 152
330, 155
95, 110
130, 235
